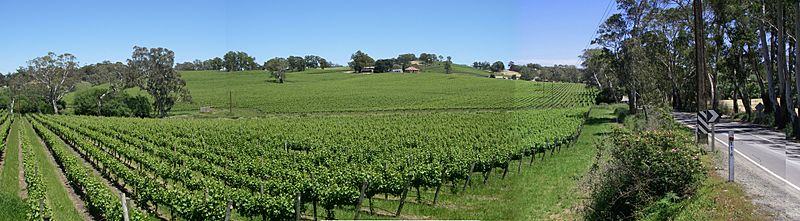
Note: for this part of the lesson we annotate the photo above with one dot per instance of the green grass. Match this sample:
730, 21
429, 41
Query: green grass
12, 207
254, 93
69, 98
717, 199
56, 194
457, 69
545, 191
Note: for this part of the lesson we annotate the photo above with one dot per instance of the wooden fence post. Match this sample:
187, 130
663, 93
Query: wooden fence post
124, 207
297, 207
228, 210
505, 170
534, 149
314, 204
45, 216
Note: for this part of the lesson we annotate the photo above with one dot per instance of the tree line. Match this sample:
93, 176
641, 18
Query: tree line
41, 85
647, 53
241, 61
359, 60
531, 71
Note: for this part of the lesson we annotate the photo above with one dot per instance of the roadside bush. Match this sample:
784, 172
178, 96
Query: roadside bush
621, 113
764, 119
725, 110
637, 169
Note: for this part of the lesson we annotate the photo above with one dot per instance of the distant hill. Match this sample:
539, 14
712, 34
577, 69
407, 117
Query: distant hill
254, 93
457, 69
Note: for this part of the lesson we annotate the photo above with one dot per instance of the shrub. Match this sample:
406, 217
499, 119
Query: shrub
25, 104
86, 102
139, 106
621, 113
120, 104
606, 96
641, 169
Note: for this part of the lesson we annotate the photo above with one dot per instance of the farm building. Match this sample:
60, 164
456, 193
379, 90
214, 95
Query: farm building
411, 70
368, 69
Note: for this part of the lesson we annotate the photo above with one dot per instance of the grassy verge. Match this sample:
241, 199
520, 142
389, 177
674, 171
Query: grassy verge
717, 199
57, 194
546, 190
11, 206
714, 197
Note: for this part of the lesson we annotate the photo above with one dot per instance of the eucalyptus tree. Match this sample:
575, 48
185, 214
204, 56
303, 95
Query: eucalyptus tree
360, 60
277, 67
447, 65
156, 75
57, 74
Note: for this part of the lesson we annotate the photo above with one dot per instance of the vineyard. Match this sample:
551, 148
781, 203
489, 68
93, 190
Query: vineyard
304, 166
332, 90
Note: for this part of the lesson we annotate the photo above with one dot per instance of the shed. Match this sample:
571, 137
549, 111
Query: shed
411, 69
368, 69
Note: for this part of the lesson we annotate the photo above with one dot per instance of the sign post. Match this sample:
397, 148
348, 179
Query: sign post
713, 118
705, 124
713, 142
730, 156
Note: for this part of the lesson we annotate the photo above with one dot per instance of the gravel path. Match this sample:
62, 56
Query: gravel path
762, 183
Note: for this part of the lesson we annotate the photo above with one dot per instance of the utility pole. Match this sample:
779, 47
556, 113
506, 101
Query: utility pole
700, 63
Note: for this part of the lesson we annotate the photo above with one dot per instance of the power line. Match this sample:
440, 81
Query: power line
597, 27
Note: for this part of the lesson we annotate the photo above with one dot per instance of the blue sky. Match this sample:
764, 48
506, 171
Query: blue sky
539, 31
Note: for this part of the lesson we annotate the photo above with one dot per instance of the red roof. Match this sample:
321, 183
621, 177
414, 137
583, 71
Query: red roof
411, 69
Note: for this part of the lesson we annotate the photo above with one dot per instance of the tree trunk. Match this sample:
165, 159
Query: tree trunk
632, 100
781, 118
797, 51
748, 109
611, 86
55, 106
783, 74
713, 76
744, 93
162, 112
100, 104
773, 101
751, 55
700, 61
597, 80
735, 97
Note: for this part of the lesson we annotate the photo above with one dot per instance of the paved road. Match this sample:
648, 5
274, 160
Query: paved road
767, 165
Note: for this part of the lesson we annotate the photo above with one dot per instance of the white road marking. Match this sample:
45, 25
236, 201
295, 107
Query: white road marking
754, 162
760, 166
